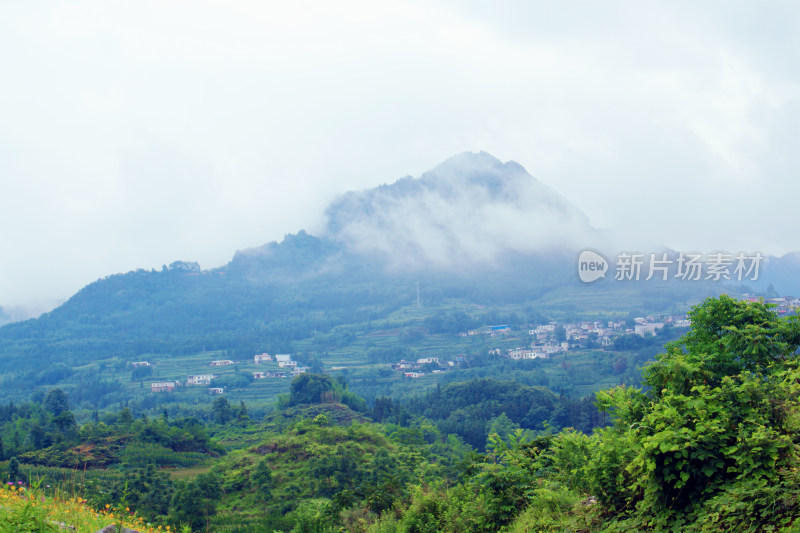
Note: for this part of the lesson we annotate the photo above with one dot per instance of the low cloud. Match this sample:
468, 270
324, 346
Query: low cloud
470, 210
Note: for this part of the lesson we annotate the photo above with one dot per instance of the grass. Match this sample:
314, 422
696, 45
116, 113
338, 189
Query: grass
26, 509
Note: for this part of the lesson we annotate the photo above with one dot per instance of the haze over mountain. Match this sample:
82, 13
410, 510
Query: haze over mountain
470, 214
472, 232
469, 210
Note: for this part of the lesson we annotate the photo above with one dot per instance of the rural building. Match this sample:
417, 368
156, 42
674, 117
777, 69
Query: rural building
203, 379
261, 358
222, 362
648, 327
162, 386
263, 375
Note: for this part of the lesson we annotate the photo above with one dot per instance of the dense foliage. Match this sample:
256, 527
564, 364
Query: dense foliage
711, 442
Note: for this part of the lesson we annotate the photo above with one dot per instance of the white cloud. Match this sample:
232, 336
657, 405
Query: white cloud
137, 133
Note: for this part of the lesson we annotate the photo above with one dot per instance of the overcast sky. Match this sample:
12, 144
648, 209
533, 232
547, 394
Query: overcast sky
136, 133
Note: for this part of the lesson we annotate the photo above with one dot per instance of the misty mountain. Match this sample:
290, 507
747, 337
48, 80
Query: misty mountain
14, 314
472, 231
783, 273
471, 210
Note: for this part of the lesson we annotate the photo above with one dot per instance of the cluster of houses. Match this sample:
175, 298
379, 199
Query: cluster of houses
412, 369
545, 343
493, 331
783, 304
544, 340
200, 379
285, 362
286, 367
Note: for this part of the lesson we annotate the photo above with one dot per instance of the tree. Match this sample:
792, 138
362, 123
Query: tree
382, 409
195, 503
126, 417
222, 411
311, 388
13, 469
56, 402
727, 337
316, 366
241, 414
714, 438
149, 491
262, 480
65, 423
500, 426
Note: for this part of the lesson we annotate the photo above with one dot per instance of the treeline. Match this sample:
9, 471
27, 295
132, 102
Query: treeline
47, 434
469, 409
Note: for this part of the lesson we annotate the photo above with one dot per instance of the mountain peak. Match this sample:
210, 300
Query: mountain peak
481, 169
472, 208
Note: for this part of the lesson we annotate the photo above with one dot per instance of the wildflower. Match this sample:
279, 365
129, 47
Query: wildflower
107, 506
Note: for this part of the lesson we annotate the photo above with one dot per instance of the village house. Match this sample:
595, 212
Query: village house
222, 362
647, 327
267, 374
261, 358
520, 353
203, 379
499, 330
405, 365
287, 364
215, 391
524, 353
412, 375
140, 363
427, 360
162, 386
